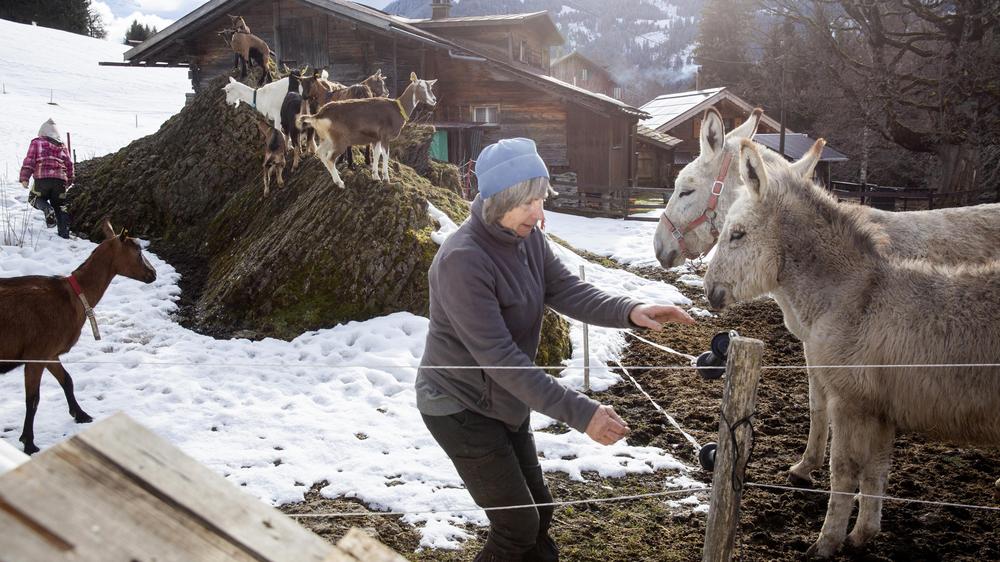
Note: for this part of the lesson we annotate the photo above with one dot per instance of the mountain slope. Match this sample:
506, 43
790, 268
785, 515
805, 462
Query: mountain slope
646, 44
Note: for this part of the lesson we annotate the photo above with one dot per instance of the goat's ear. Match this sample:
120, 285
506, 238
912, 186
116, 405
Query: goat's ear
430, 83
413, 76
752, 168
712, 137
123, 235
109, 232
378, 73
747, 129
232, 80
805, 166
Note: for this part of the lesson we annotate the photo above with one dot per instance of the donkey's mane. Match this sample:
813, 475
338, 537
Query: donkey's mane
851, 220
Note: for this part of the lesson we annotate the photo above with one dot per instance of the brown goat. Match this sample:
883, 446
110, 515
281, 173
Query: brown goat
275, 149
247, 47
340, 124
42, 317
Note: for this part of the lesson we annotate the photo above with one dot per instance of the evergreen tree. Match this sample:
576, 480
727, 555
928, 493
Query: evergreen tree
74, 16
138, 33
723, 48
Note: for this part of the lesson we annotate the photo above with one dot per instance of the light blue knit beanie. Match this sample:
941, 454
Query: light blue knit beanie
506, 163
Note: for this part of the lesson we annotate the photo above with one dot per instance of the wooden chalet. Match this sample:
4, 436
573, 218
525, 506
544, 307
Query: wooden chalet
117, 491
679, 116
492, 71
578, 70
796, 146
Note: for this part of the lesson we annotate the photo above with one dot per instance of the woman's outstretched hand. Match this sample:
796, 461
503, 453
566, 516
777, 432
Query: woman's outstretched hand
606, 427
653, 316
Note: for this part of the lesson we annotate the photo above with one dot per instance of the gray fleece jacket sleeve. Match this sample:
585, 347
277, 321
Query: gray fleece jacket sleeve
570, 295
468, 293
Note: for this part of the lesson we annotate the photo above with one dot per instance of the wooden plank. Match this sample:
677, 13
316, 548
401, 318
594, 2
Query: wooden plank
182, 482
102, 514
22, 541
363, 547
739, 400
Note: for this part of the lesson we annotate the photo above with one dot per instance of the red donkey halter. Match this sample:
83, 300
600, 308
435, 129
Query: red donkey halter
708, 214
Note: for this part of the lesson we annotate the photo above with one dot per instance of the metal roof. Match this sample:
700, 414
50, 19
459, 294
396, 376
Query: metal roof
499, 19
660, 139
669, 110
796, 145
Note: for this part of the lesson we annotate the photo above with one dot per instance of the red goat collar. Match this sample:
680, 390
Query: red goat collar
87, 309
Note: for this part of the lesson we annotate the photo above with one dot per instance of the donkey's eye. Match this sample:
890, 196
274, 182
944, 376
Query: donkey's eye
736, 235
685, 193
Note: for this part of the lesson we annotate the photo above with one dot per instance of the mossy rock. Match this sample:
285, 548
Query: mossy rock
307, 256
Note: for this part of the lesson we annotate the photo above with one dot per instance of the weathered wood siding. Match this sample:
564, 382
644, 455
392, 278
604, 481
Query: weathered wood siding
524, 111
571, 72
301, 34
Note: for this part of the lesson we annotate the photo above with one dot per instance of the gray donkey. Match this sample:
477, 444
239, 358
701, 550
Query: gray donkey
947, 236
861, 306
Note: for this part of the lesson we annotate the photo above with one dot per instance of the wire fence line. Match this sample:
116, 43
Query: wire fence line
632, 497
391, 366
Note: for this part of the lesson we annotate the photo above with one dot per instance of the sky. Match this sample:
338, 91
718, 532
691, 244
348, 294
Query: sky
271, 416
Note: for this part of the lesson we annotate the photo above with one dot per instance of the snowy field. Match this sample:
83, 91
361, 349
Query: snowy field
274, 416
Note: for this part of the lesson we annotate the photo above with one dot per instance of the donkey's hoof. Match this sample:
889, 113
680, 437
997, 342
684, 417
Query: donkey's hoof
822, 548
83, 417
799, 481
860, 536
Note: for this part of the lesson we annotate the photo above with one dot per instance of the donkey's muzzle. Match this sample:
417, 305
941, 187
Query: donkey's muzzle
718, 296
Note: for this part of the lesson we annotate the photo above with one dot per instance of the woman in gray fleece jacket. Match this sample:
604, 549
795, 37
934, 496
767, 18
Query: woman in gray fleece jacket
489, 285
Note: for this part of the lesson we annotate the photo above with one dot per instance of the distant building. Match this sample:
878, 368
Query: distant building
578, 70
796, 146
492, 71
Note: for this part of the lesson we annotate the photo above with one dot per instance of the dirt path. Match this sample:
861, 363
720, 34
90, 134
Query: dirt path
774, 526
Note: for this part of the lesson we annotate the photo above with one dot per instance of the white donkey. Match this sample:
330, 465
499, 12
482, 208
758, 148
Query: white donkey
862, 307
267, 99
947, 236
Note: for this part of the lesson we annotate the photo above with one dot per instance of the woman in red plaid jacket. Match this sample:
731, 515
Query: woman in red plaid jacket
49, 162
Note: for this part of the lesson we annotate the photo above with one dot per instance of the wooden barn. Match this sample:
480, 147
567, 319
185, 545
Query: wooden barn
492, 71
578, 70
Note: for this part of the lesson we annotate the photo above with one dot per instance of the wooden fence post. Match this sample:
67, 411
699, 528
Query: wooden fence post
738, 402
586, 344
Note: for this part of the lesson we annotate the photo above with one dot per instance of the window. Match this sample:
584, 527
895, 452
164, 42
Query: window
584, 75
522, 53
486, 113
618, 93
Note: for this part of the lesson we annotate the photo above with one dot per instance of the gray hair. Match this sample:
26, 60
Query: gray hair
494, 208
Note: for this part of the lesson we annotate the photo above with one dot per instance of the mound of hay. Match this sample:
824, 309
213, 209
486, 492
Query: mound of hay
307, 256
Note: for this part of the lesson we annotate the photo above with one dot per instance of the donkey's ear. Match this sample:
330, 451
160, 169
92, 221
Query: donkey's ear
109, 232
232, 80
747, 129
413, 77
752, 168
804, 167
378, 73
431, 83
712, 137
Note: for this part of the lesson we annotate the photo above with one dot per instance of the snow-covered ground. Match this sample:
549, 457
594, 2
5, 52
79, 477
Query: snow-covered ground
274, 416
99, 105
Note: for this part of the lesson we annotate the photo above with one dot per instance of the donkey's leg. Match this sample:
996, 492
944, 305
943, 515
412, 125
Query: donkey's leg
819, 433
66, 382
32, 382
844, 474
874, 476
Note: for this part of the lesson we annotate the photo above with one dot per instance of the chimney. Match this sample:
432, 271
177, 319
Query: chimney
440, 9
